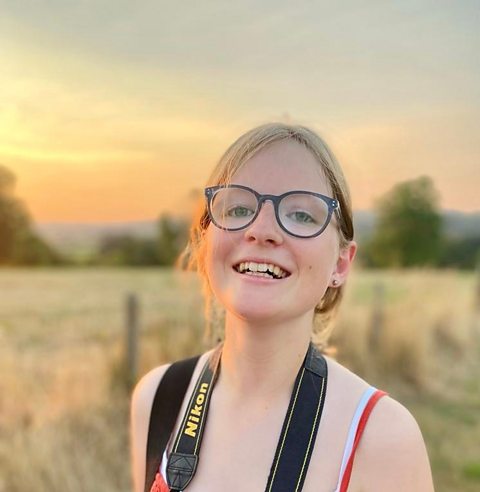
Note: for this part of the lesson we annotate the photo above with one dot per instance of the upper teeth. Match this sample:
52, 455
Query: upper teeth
262, 267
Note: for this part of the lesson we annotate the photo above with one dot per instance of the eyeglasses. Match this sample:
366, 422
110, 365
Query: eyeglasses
299, 213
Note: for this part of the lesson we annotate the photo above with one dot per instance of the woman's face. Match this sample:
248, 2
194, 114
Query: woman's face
310, 263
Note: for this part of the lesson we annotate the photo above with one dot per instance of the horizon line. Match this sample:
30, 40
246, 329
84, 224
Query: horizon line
134, 221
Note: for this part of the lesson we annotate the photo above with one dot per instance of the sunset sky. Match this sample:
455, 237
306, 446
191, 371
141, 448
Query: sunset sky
113, 110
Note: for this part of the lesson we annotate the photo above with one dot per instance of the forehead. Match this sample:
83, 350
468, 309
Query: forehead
280, 167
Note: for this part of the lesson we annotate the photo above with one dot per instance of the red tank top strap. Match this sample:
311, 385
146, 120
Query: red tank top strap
159, 484
361, 427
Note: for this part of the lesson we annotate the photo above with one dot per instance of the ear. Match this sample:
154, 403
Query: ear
343, 265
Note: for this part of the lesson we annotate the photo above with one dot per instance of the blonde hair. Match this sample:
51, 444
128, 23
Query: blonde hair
244, 148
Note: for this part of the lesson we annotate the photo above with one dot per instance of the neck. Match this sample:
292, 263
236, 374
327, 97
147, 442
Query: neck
262, 361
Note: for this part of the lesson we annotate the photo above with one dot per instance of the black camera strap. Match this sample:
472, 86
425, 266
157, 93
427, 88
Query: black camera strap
165, 408
297, 439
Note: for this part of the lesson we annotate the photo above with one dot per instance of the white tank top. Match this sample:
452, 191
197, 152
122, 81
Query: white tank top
365, 398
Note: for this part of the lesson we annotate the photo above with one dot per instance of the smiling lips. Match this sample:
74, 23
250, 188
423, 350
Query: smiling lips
268, 270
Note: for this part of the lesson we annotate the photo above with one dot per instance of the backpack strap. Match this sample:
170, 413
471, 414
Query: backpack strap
166, 405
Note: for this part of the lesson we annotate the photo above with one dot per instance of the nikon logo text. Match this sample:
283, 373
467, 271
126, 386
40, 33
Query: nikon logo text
196, 412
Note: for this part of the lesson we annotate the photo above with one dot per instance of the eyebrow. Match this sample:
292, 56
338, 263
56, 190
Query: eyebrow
326, 193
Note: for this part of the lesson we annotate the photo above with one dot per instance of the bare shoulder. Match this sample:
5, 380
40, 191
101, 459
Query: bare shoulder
144, 391
391, 454
140, 409
345, 388
342, 376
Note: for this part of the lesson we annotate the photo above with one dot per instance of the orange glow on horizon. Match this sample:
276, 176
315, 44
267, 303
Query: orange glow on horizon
96, 138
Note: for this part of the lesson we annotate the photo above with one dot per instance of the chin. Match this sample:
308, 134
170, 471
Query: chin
262, 314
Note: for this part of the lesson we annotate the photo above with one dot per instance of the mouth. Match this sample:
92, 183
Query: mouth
266, 270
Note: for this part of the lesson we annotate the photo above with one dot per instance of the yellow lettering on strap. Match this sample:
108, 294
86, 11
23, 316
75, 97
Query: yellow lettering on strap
196, 412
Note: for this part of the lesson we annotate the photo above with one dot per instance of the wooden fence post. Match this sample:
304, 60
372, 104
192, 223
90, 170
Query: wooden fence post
477, 286
475, 323
378, 317
132, 325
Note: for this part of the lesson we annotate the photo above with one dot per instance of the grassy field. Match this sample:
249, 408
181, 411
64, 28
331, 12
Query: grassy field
64, 412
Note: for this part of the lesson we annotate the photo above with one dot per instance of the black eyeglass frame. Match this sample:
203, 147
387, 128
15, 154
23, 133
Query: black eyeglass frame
332, 204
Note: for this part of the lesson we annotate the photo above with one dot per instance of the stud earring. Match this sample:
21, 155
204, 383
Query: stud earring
335, 282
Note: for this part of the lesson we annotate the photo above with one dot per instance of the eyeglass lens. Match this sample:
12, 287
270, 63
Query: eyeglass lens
300, 214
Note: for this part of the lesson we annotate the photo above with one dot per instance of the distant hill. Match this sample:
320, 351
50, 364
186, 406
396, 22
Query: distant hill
456, 224
82, 238
461, 224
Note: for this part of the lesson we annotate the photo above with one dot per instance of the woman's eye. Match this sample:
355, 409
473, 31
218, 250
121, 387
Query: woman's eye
302, 217
239, 212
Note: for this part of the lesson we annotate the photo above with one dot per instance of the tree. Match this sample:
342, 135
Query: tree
13, 217
461, 252
409, 226
171, 239
127, 250
18, 243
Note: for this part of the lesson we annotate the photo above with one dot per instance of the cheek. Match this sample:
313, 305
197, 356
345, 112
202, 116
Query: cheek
217, 254
318, 279
211, 253
320, 266
319, 274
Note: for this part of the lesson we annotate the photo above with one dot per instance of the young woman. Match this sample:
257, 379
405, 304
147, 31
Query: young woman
274, 246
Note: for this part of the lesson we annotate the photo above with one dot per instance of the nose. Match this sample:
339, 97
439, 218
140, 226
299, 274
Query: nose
265, 228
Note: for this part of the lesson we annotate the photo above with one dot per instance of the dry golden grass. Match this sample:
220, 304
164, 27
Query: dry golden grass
64, 416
